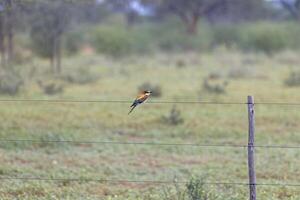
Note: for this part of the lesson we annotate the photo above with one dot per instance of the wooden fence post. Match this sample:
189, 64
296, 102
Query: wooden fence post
251, 164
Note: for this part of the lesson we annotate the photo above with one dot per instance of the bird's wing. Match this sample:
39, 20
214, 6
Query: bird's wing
139, 99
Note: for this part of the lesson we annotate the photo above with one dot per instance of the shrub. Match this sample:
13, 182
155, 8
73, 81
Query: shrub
214, 87
22, 51
143, 38
112, 41
265, 37
171, 35
22, 56
293, 79
180, 63
196, 190
52, 136
240, 72
174, 40
51, 87
225, 35
156, 89
81, 75
174, 118
10, 82
214, 76
73, 41
42, 40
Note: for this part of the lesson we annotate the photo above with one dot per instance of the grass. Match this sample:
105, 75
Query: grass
205, 124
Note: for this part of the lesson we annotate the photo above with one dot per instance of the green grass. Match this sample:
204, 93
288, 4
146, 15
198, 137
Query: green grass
205, 124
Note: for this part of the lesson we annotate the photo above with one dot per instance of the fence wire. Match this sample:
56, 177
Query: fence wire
151, 102
3, 140
143, 181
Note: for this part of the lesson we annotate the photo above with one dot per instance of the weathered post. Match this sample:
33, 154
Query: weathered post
251, 164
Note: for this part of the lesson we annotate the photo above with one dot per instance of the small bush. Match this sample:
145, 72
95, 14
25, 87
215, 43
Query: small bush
22, 56
112, 41
52, 136
81, 75
214, 87
179, 41
22, 52
196, 190
51, 87
240, 72
10, 82
265, 37
180, 63
214, 76
225, 35
73, 41
156, 89
174, 118
143, 38
293, 79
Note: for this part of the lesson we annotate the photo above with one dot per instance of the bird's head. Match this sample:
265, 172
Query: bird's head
147, 92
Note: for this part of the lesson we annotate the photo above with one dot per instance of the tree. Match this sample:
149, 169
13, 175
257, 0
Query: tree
49, 23
126, 7
7, 19
9, 29
190, 11
237, 10
89, 11
2, 48
293, 7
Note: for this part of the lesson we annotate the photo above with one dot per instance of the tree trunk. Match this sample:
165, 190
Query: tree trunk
131, 18
10, 34
2, 48
10, 45
52, 64
190, 21
192, 25
58, 55
53, 57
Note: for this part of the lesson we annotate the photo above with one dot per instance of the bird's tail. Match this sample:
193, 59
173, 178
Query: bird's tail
132, 107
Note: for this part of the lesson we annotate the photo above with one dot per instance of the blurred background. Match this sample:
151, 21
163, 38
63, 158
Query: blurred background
54, 45
81, 51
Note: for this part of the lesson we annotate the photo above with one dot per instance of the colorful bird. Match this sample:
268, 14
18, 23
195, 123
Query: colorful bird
140, 99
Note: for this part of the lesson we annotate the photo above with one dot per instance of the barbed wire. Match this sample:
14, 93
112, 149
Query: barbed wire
143, 181
148, 143
151, 102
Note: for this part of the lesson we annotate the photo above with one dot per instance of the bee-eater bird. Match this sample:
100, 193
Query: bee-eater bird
140, 99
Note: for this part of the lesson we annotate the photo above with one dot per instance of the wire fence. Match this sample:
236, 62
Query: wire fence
6, 140
142, 181
149, 143
151, 102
